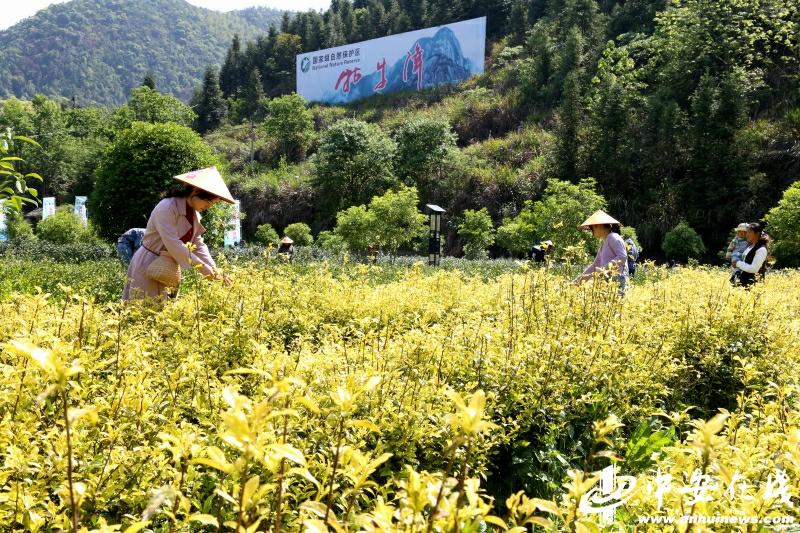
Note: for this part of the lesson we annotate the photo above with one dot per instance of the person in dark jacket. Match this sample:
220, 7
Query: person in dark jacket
286, 247
539, 251
754, 259
128, 243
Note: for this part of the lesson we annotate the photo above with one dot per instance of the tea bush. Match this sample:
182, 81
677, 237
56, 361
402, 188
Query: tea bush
314, 395
37, 250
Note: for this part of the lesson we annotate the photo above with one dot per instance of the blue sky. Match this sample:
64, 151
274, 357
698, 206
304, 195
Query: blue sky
13, 11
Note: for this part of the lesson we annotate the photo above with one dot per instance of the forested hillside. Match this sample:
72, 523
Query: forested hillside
679, 111
96, 50
676, 117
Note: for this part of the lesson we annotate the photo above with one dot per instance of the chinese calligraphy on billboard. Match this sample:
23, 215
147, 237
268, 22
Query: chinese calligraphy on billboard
407, 61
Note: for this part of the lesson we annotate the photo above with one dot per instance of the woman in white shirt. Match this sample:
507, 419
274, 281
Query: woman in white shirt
754, 259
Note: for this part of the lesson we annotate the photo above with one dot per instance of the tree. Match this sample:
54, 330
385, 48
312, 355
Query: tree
253, 96
694, 38
717, 167
682, 242
290, 125
346, 15
397, 221
568, 143
518, 22
231, 76
783, 223
287, 46
335, 32
148, 105
477, 233
211, 108
53, 160
423, 145
353, 164
563, 207
300, 233
612, 136
138, 169
149, 81
17, 115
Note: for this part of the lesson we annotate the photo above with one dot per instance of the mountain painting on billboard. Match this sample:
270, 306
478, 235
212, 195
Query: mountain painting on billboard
407, 61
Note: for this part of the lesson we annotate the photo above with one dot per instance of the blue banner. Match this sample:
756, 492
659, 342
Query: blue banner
407, 61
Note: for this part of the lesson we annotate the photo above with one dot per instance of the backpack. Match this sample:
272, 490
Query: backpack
633, 251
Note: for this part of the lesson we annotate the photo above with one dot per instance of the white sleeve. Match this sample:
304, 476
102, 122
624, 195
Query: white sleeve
758, 261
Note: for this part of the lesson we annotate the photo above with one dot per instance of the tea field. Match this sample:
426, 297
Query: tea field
346, 397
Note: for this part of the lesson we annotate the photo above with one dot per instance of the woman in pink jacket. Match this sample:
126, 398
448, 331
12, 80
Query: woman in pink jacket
173, 224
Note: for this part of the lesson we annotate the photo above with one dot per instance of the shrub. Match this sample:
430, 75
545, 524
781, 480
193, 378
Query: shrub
300, 233
682, 243
518, 234
410, 362
138, 169
266, 235
331, 242
355, 226
477, 232
17, 227
65, 227
39, 250
783, 222
478, 114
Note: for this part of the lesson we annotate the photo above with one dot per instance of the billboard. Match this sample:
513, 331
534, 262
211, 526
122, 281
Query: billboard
80, 208
407, 61
233, 231
48, 207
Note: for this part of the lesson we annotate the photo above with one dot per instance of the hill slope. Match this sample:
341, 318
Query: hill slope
97, 50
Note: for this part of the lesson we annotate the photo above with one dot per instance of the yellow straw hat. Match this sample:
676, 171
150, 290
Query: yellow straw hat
209, 180
599, 218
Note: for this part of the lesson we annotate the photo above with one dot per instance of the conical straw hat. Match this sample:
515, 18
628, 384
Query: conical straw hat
287, 240
209, 180
599, 218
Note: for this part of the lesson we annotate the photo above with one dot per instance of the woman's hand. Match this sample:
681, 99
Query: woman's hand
219, 276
